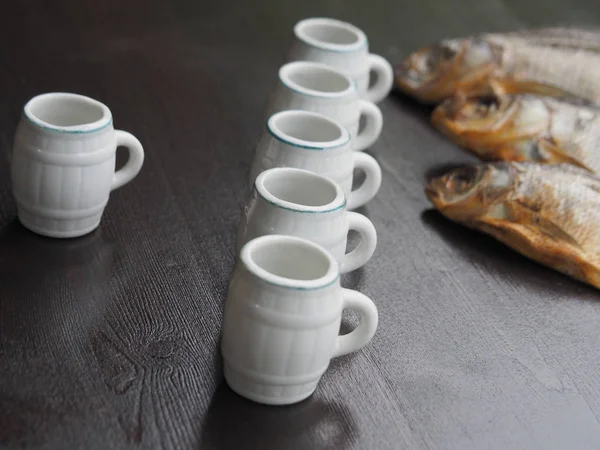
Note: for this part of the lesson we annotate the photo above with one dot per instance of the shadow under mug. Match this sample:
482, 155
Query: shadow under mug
282, 319
63, 164
300, 203
320, 88
345, 47
312, 141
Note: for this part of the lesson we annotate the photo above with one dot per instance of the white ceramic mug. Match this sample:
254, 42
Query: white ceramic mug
300, 203
320, 88
63, 164
312, 141
345, 47
282, 319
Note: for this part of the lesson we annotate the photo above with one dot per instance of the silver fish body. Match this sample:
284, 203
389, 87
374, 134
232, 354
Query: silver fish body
524, 128
550, 61
550, 214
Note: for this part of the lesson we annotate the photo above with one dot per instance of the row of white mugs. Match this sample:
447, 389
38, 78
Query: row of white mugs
63, 158
284, 305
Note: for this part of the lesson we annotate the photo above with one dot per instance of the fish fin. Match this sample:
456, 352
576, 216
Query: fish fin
557, 154
594, 187
510, 153
517, 215
502, 86
497, 87
539, 246
506, 152
592, 273
516, 86
561, 37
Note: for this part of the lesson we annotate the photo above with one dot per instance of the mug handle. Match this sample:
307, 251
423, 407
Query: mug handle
368, 241
370, 186
385, 78
134, 163
365, 331
373, 125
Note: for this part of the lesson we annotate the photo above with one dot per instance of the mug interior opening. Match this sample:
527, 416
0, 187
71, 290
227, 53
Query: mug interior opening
291, 259
331, 33
308, 128
300, 188
318, 79
65, 111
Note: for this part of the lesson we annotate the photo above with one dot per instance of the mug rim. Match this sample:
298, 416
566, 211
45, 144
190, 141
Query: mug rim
97, 125
339, 202
281, 136
299, 31
284, 77
330, 277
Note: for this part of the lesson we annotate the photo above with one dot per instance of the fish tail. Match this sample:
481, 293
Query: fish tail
591, 273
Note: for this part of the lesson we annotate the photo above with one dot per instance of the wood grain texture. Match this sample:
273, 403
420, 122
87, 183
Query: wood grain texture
111, 340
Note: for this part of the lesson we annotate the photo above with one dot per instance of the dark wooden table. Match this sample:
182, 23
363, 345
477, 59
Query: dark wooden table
111, 341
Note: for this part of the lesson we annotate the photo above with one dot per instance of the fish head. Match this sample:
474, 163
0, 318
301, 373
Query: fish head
466, 193
491, 124
437, 72
468, 121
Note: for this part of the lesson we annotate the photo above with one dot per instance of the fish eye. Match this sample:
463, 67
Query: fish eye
447, 52
482, 106
463, 178
461, 181
448, 49
489, 101
441, 53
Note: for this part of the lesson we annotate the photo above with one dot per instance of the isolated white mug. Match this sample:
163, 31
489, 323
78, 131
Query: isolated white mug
312, 141
63, 164
345, 47
323, 89
300, 203
282, 319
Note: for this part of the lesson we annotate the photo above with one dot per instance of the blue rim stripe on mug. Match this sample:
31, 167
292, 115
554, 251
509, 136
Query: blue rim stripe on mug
105, 119
311, 94
287, 70
298, 288
337, 203
307, 145
59, 130
334, 50
272, 203
361, 44
330, 277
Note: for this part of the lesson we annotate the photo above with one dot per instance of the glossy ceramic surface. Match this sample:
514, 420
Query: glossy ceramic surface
314, 142
299, 203
345, 47
323, 89
63, 163
282, 319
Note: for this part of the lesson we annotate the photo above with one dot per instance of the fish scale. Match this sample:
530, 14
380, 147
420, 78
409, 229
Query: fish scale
575, 38
525, 128
578, 131
550, 61
568, 198
550, 214
572, 70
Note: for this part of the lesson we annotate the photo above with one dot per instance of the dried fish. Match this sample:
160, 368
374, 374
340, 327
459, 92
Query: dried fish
552, 61
524, 128
550, 214
565, 38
